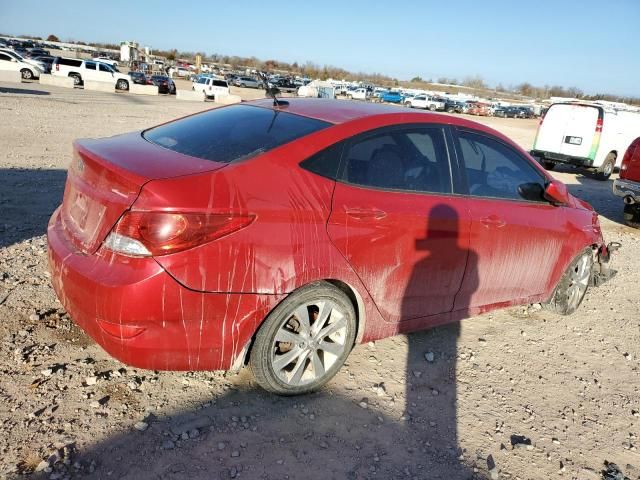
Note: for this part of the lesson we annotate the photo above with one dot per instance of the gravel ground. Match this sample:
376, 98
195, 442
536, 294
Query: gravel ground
514, 394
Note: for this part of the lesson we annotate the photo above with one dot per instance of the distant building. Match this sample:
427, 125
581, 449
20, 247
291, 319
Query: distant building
133, 52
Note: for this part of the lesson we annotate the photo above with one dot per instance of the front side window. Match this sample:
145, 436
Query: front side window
412, 159
105, 68
90, 65
493, 169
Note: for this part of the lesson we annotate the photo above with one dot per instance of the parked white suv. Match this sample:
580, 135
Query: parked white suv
29, 69
81, 70
211, 87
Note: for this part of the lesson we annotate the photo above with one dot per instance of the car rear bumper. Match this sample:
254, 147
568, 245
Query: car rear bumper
143, 317
627, 188
561, 158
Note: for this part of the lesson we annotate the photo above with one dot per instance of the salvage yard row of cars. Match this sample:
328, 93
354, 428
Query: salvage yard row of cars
426, 101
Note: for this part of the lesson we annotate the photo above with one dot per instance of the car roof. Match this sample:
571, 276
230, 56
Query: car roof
342, 111
332, 111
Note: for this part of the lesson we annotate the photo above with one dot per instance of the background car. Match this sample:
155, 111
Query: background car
140, 78
11, 63
453, 106
81, 70
32, 69
208, 266
109, 61
478, 108
164, 84
211, 87
628, 185
38, 52
392, 97
426, 102
45, 61
246, 82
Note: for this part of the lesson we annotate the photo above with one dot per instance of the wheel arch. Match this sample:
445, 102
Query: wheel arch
354, 296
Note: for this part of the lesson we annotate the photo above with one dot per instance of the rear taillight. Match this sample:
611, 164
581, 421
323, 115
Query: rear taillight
144, 234
57, 67
599, 125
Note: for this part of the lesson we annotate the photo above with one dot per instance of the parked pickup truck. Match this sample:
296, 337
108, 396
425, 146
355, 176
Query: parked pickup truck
628, 185
358, 94
427, 102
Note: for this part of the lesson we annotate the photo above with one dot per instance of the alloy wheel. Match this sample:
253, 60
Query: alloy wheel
309, 343
579, 280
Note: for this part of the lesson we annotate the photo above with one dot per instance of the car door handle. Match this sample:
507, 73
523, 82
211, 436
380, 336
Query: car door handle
493, 221
362, 213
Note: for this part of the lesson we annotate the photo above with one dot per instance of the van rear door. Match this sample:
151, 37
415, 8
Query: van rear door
569, 129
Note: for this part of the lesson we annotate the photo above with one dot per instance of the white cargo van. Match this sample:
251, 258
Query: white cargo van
589, 135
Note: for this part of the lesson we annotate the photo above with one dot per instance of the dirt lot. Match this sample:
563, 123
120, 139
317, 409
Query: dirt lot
451, 403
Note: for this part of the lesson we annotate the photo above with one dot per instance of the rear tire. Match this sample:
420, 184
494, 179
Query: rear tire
304, 341
631, 215
606, 169
432, 108
77, 79
573, 285
548, 165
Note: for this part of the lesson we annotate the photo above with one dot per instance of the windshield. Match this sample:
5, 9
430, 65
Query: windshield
232, 133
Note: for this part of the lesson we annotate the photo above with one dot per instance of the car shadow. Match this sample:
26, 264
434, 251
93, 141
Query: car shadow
28, 197
363, 425
23, 91
597, 193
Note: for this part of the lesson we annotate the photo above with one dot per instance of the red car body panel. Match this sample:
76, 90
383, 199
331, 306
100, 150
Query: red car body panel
630, 168
199, 308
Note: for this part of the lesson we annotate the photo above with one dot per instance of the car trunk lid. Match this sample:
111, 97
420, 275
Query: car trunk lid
105, 178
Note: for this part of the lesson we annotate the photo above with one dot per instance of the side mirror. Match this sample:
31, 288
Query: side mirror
531, 191
556, 193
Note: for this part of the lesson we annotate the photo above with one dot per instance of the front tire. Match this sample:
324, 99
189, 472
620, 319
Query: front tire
573, 285
304, 341
26, 74
122, 85
606, 169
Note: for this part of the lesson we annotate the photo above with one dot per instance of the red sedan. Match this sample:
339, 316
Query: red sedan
280, 236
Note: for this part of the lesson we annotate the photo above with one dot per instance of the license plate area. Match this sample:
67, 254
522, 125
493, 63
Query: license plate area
573, 140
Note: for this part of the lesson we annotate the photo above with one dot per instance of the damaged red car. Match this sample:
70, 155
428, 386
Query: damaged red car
280, 235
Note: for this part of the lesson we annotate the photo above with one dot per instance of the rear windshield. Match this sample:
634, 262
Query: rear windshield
220, 83
232, 133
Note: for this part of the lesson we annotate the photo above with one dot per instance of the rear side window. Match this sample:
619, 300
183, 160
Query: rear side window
69, 62
232, 133
326, 162
412, 159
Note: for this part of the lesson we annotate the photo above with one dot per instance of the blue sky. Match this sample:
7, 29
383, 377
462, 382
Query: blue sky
592, 45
